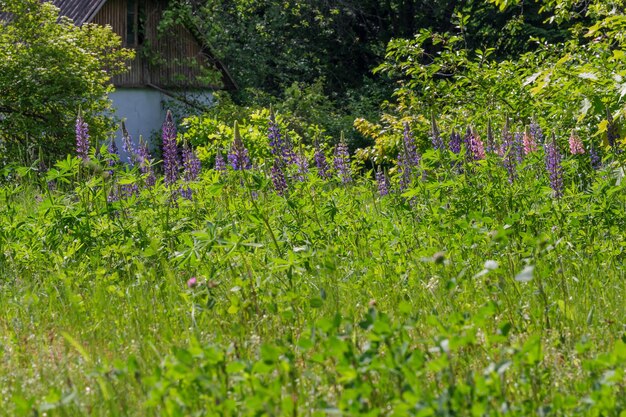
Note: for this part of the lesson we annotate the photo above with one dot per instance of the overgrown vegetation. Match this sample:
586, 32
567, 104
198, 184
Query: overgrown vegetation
469, 262
48, 70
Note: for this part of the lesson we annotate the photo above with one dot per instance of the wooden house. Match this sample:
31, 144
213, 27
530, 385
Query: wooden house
171, 66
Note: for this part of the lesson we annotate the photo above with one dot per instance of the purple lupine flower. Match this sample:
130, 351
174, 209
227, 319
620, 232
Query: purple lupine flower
410, 148
383, 182
596, 161
575, 144
145, 163
82, 138
554, 168
475, 146
408, 158
518, 145
536, 132
302, 164
508, 152
455, 142
277, 144
528, 141
127, 146
612, 131
171, 161
112, 150
278, 177
435, 135
191, 164
289, 156
491, 142
341, 161
220, 164
323, 170
238, 156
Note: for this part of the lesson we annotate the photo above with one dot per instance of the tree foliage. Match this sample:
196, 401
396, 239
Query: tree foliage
49, 69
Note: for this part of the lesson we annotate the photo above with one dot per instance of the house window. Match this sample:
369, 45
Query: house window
134, 22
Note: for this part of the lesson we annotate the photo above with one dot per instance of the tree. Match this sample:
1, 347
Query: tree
49, 70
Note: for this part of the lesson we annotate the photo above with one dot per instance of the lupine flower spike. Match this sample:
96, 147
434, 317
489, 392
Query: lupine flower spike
114, 155
323, 170
238, 156
302, 164
82, 138
476, 147
554, 168
278, 177
220, 164
435, 136
341, 161
455, 142
508, 153
171, 161
145, 163
575, 144
518, 144
408, 158
536, 132
528, 140
127, 145
279, 146
382, 181
594, 158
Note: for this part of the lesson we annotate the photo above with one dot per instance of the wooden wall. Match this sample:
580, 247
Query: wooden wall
173, 60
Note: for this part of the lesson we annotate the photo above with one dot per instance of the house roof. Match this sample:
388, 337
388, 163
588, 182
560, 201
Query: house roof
80, 11
83, 11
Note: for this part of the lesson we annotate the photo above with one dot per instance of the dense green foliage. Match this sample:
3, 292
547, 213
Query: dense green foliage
467, 294
48, 70
478, 274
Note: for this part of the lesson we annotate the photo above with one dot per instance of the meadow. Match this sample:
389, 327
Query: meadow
482, 279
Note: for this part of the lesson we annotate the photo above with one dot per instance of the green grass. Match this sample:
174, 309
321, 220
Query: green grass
329, 301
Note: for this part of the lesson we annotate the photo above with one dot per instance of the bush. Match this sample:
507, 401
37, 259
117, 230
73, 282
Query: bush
49, 69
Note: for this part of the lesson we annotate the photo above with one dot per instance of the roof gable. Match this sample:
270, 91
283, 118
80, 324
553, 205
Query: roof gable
80, 11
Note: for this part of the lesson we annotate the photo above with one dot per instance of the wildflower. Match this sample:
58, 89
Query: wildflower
528, 142
575, 144
145, 163
278, 177
536, 132
279, 146
596, 161
191, 164
82, 138
476, 147
508, 153
455, 142
238, 156
192, 282
408, 159
112, 150
341, 161
220, 164
323, 170
554, 168
518, 146
435, 136
127, 145
302, 164
383, 182
171, 162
